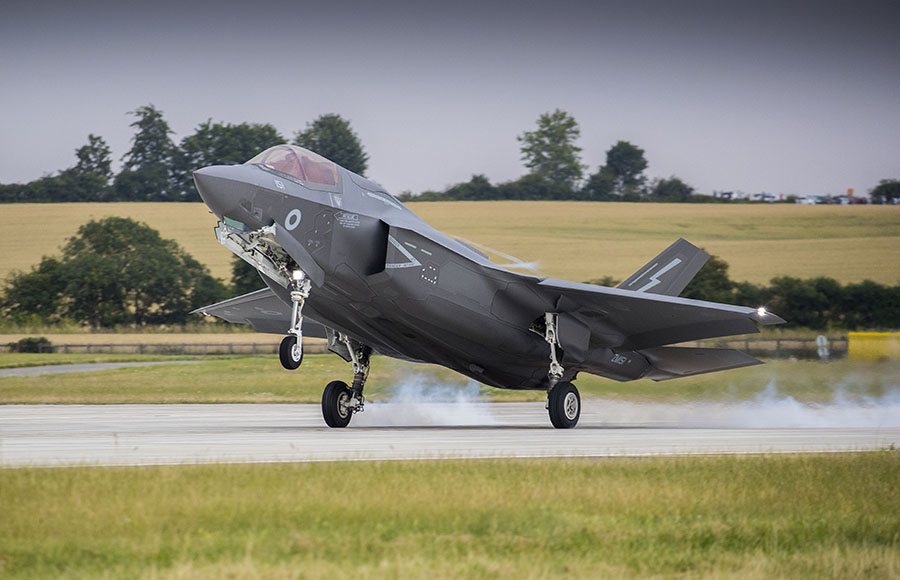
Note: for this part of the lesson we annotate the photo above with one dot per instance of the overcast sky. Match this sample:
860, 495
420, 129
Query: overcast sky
785, 97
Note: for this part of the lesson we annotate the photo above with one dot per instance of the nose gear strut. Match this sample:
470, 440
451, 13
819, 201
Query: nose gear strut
291, 351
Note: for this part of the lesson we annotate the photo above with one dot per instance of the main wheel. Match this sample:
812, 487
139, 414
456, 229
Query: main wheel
334, 404
564, 404
290, 353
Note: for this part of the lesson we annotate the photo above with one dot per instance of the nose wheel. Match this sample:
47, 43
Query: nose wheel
290, 353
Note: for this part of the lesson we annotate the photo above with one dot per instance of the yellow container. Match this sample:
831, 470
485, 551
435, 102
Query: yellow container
873, 345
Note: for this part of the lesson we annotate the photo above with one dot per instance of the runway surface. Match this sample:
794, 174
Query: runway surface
52, 435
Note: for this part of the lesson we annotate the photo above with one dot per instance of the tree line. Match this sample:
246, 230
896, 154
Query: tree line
158, 169
119, 272
556, 172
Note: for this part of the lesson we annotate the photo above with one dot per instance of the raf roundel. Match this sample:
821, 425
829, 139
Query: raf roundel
292, 220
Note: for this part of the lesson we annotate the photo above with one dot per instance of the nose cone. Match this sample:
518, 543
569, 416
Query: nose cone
221, 187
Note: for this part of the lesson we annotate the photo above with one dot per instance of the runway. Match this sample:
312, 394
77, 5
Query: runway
57, 435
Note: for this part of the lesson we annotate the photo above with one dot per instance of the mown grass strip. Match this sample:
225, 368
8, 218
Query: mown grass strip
254, 379
821, 516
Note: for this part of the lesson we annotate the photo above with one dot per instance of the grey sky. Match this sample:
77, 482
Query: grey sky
792, 97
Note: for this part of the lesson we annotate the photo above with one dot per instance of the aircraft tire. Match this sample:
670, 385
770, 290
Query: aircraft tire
334, 414
288, 354
564, 405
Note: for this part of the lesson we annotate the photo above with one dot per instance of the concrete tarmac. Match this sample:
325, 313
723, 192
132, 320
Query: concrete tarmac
56, 435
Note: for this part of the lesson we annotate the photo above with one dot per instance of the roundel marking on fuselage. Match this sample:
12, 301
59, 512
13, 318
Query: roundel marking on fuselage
292, 220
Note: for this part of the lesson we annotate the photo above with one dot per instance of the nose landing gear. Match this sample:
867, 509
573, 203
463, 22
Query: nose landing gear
291, 351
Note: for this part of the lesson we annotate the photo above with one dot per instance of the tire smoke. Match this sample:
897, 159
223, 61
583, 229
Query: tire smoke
423, 400
768, 408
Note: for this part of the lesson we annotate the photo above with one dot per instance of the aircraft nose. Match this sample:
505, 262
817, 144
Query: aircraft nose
220, 188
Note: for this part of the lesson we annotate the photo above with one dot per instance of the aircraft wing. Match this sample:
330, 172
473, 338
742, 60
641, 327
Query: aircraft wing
626, 319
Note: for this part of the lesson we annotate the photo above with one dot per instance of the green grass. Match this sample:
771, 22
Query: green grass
811, 516
21, 360
246, 379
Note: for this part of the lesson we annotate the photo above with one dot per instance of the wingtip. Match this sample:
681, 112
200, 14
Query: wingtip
763, 316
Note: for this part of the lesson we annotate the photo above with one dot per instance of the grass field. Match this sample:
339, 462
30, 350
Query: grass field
570, 240
812, 516
243, 334
261, 379
22, 360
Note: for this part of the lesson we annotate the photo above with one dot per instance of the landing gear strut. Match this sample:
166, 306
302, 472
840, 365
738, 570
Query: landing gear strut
291, 351
563, 400
340, 402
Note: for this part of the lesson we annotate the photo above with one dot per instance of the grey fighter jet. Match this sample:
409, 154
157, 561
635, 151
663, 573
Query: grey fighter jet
337, 249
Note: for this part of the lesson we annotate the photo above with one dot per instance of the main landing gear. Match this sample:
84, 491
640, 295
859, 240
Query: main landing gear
563, 400
339, 402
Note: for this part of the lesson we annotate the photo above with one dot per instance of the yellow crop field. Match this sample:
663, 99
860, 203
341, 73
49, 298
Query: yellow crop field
569, 240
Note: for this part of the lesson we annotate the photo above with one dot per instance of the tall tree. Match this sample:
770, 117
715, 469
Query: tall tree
550, 151
626, 163
887, 188
220, 144
94, 158
331, 136
114, 271
599, 187
89, 179
672, 189
147, 174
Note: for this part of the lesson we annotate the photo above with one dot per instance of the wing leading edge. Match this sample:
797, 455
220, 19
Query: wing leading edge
263, 310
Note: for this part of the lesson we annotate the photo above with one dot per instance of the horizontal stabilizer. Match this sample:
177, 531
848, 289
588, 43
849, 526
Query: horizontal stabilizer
670, 272
670, 362
262, 310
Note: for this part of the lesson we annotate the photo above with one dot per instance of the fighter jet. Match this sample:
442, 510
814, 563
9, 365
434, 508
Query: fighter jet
335, 248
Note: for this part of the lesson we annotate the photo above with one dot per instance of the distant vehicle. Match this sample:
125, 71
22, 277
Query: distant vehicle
381, 279
767, 197
807, 200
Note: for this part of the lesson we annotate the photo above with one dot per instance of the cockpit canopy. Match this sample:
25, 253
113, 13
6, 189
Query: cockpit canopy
300, 163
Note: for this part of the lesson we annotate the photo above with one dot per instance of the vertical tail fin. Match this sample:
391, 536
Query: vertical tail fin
669, 272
